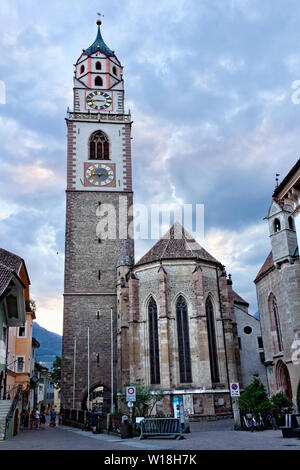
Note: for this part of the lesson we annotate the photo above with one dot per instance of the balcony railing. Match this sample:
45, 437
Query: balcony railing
99, 117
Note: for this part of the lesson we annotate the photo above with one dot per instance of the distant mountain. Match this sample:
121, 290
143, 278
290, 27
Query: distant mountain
50, 345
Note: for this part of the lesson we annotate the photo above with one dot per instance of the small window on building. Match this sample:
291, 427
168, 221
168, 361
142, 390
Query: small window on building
98, 65
98, 81
114, 69
277, 225
260, 342
262, 356
82, 69
22, 332
248, 330
4, 334
239, 342
20, 364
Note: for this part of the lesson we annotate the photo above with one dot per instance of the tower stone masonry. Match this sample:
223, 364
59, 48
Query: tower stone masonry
98, 177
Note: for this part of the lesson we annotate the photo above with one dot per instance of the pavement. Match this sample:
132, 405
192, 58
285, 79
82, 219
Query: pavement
214, 435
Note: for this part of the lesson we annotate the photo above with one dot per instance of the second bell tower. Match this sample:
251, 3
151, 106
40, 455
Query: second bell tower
99, 177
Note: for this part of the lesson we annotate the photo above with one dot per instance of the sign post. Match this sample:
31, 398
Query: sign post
130, 398
235, 393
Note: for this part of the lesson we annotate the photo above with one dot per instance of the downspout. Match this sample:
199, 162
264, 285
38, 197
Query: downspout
224, 339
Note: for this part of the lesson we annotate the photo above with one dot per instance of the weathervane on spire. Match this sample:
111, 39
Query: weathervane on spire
99, 22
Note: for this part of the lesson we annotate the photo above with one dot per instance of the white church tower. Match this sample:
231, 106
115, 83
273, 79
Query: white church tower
282, 232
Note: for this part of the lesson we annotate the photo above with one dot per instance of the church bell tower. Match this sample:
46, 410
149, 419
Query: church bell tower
99, 182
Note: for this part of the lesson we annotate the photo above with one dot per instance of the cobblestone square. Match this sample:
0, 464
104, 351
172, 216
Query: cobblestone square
216, 435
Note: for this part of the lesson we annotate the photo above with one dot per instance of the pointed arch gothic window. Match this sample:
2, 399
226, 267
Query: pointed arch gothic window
185, 369
212, 344
153, 342
98, 65
99, 146
98, 81
275, 324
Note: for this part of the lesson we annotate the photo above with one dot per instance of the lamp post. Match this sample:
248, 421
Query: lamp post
112, 360
74, 372
88, 369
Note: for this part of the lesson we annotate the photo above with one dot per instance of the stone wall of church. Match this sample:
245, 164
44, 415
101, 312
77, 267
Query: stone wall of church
284, 284
165, 282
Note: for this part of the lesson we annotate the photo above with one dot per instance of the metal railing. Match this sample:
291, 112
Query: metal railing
78, 116
16, 399
167, 427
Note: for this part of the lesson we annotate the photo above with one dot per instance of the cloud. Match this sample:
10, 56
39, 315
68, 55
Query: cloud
209, 87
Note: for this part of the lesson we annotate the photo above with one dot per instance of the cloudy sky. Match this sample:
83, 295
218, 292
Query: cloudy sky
209, 86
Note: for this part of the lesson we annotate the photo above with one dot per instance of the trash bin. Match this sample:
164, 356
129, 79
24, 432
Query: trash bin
126, 428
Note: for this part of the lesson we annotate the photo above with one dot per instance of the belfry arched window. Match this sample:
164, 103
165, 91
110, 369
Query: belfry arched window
277, 225
153, 342
185, 369
275, 322
98, 65
98, 81
212, 344
99, 146
291, 223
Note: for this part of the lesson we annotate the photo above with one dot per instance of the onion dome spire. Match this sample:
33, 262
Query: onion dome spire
99, 45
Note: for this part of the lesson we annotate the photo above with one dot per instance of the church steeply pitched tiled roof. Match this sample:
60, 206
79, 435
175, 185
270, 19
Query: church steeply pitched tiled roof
99, 46
238, 299
177, 243
266, 267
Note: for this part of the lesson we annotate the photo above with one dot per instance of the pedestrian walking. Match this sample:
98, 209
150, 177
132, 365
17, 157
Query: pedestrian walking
43, 420
98, 425
32, 418
94, 422
37, 418
22, 419
52, 418
26, 419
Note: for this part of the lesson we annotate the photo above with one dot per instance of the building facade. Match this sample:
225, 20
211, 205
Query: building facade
252, 355
278, 289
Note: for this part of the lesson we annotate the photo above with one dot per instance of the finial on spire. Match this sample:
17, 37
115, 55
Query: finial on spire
277, 174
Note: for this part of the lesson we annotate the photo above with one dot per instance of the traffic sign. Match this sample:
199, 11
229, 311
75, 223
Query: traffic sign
130, 393
235, 389
130, 404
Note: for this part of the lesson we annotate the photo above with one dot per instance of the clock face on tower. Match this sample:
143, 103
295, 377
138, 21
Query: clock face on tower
98, 100
99, 174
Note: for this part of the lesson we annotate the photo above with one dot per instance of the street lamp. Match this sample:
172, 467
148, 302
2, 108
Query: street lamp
112, 360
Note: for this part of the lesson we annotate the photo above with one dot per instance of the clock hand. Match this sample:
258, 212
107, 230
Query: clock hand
94, 99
